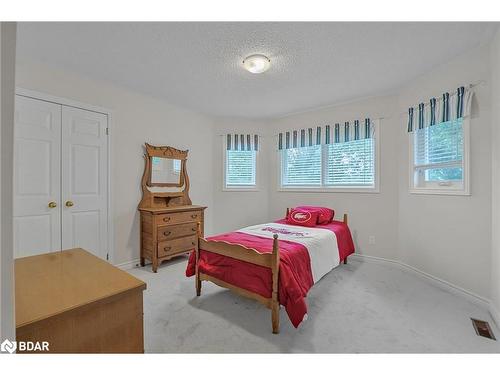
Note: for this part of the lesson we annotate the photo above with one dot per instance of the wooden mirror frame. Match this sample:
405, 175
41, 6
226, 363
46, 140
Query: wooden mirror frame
151, 199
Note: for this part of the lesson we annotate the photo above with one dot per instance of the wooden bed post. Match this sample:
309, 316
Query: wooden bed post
197, 257
345, 222
275, 304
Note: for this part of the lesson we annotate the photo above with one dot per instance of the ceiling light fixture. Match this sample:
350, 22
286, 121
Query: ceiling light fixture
256, 63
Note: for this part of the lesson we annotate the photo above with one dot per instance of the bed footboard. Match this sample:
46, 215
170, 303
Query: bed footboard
239, 252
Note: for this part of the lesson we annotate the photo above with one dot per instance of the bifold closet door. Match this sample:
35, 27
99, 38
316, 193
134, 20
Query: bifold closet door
84, 184
37, 177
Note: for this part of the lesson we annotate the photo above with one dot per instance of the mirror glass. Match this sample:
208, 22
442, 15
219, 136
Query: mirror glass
165, 171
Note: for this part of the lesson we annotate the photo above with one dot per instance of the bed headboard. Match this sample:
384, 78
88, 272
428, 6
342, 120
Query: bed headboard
344, 218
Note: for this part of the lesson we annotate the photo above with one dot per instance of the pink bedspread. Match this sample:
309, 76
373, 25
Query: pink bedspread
295, 277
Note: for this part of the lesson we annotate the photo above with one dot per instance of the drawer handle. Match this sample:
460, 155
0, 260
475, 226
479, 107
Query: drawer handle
193, 243
167, 233
167, 248
193, 229
166, 218
194, 216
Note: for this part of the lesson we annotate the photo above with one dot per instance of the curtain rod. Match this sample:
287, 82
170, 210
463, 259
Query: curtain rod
290, 130
452, 92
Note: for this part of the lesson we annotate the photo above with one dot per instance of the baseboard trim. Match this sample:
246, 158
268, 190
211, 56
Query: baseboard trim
128, 265
440, 283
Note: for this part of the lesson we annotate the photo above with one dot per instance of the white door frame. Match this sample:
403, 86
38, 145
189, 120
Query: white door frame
89, 107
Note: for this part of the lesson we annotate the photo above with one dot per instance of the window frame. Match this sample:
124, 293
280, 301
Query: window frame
242, 188
449, 187
375, 189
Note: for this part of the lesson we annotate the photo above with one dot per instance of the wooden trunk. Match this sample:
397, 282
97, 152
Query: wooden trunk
78, 303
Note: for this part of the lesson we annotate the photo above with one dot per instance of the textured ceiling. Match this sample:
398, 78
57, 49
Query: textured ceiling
198, 65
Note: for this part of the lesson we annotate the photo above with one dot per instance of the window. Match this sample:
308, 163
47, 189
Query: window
439, 159
302, 166
351, 163
341, 166
240, 169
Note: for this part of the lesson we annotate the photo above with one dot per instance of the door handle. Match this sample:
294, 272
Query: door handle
52, 204
69, 204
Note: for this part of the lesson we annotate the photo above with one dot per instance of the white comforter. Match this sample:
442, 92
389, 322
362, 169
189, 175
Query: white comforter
320, 243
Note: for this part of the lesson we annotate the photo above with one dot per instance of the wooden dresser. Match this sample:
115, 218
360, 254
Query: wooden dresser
78, 303
169, 231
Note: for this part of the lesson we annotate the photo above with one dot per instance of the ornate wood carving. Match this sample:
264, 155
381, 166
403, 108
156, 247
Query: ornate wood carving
162, 199
166, 152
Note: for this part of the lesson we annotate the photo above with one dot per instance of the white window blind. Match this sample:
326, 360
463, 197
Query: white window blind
438, 152
350, 163
301, 166
240, 168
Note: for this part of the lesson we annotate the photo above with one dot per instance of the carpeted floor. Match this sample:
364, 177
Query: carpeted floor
357, 308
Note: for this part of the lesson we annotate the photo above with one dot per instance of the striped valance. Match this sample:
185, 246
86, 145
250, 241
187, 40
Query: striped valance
328, 134
448, 107
242, 142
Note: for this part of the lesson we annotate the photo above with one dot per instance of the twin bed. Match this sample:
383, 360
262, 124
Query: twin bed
274, 263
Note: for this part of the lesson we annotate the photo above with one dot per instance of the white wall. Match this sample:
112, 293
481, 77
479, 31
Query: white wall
495, 167
137, 119
7, 75
237, 209
446, 236
370, 214
450, 236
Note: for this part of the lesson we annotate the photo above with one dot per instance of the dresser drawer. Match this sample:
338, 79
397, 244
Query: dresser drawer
178, 245
179, 217
169, 232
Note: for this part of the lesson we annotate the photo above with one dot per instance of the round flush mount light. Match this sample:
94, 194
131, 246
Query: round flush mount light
256, 63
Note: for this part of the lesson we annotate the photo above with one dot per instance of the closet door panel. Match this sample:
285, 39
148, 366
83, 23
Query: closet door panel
37, 177
84, 184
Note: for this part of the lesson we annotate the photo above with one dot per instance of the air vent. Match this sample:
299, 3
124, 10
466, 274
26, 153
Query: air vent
483, 328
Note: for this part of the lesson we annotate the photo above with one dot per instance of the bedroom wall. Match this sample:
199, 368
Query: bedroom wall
370, 214
446, 236
137, 119
7, 75
449, 236
237, 209
495, 139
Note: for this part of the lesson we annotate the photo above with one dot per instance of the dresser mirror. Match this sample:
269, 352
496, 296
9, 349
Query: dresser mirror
165, 171
170, 223
165, 181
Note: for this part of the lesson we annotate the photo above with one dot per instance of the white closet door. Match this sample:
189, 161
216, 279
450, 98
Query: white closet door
37, 177
84, 184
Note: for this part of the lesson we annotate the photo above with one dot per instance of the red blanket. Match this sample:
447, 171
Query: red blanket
295, 277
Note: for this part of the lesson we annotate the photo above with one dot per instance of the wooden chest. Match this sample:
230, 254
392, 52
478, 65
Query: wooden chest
170, 231
78, 303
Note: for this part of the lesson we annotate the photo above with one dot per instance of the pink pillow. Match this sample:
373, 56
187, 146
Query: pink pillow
325, 215
304, 218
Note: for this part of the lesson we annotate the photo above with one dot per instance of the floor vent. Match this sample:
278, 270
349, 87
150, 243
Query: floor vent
483, 328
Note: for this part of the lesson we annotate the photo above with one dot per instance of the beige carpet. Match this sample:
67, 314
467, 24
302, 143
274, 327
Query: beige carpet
358, 307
